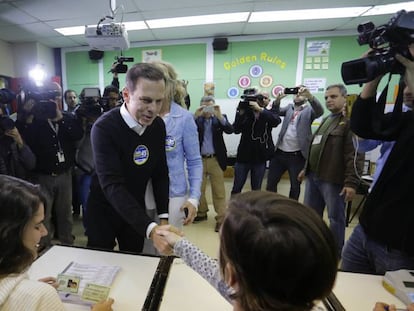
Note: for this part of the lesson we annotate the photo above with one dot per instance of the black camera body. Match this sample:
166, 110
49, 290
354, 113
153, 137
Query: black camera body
249, 95
90, 103
44, 106
6, 124
119, 66
291, 90
386, 41
6, 96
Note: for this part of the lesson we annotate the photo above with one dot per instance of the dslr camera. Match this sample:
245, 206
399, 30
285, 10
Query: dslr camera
385, 41
249, 95
90, 103
118, 66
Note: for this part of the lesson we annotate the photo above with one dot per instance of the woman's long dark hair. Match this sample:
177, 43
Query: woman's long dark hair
283, 254
19, 201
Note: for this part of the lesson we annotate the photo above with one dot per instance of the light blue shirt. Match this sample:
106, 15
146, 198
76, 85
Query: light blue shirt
183, 154
207, 147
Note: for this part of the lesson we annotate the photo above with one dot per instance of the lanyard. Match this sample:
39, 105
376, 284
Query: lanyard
55, 128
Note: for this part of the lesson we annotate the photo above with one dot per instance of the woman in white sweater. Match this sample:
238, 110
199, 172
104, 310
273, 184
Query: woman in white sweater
22, 207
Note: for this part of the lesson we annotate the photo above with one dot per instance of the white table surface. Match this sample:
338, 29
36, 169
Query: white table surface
130, 286
185, 289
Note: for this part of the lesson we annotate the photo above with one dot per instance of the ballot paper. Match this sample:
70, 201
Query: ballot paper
86, 284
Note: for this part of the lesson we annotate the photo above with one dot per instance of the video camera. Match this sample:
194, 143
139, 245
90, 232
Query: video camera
90, 103
44, 105
249, 95
118, 66
6, 96
386, 41
6, 124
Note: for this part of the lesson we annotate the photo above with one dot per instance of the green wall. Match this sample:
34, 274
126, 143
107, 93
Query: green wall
276, 63
81, 71
277, 60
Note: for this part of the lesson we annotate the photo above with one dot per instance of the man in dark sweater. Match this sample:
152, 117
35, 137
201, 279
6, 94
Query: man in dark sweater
384, 239
128, 146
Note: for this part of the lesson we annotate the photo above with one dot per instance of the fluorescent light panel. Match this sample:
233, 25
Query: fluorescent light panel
198, 20
71, 31
292, 15
390, 8
255, 17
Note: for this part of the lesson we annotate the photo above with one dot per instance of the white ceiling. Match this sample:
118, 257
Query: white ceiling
35, 20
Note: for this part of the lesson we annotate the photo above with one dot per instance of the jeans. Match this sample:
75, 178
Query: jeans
293, 162
319, 193
364, 255
84, 183
257, 171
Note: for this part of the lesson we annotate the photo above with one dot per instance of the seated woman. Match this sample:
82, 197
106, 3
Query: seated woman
21, 228
275, 254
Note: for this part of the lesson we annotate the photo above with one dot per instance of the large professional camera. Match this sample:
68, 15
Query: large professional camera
90, 103
44, 105
6, 96
6, 124
118, 66
249, 95
385, 41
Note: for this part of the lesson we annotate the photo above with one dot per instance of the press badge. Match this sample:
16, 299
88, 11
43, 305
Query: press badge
61, 157
317, 140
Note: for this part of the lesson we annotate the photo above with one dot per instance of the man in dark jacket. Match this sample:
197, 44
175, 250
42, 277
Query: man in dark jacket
211, 124
384, 240
331, 177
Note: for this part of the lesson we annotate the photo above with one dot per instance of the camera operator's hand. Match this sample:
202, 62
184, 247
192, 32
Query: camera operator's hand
409, 70
199, 111
217, 112
279, 97
303, 91
255, 106
14, 133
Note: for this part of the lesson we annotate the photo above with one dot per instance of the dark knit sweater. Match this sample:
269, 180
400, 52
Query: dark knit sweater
124, 162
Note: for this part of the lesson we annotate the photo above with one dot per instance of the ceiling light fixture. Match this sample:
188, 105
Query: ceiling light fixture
198, 20
292, 15
390, 8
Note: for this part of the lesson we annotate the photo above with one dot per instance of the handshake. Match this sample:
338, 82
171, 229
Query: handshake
164, 238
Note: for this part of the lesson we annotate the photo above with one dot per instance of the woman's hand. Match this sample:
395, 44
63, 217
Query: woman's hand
103, 306
50, 280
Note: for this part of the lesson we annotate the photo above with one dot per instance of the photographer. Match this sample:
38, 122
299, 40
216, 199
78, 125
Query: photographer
211, 124
384, 240
16, 158
255, 123
52, 136
88, 112
295, 136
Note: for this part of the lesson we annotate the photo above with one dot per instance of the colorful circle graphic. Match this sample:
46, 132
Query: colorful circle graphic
244, 81
266, 81
277, 89
233, 92
256, 71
